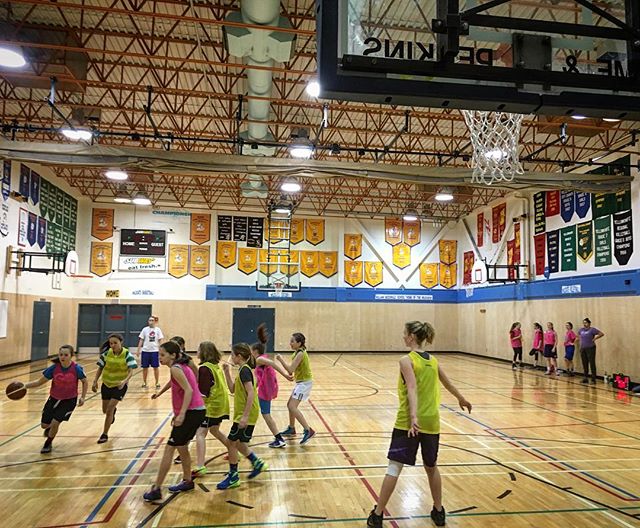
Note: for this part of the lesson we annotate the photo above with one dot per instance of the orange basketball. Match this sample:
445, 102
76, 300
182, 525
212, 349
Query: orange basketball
16, 390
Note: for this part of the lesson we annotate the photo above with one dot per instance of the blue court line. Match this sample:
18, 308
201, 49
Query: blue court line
125, 472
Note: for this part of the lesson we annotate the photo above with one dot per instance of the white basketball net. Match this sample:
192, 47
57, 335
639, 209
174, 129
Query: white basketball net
495, 137
278, 288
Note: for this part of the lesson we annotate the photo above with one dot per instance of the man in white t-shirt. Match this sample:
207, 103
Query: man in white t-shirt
149, 341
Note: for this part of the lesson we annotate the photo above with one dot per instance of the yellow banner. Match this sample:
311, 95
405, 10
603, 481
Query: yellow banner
200, 259
328, 263
273, 263
247, 260
392, 231
448, 251
290, 262
373, 273
352, 246
314, 231
401, 255
448, 275
101, 256
309, 261
352, 272
225, 253
200, 228
429, 275
297, 230
178, 260
276, 230
101, 223
411, 233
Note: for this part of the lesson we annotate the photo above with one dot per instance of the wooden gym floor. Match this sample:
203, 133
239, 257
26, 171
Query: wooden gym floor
536, 451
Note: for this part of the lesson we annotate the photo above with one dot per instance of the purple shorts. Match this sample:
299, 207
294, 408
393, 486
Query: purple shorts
150, 359
404, 448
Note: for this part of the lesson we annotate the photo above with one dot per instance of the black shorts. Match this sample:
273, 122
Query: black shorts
242, 435
183, 434
210, 422
404, 448
549, 351
58, 410
113, 393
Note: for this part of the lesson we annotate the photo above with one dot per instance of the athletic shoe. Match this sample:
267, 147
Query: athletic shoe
177, 460
278, 443
308, 435
289, 431
513, 366
232, 480
144, 385
374, 521
103, 438
157, 385
438, 517
585, 380
183, 485
258, 467
153, 495
557, 372
46, 448
547, 372
199, 472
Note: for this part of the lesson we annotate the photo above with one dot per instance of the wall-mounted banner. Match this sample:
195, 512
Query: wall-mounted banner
373, 273
392, 231
240, 224
602, 227
623, 237
352, 272
42, 232
255, 232
297, 230
25, 181
277, 231
511, 245
290, 262
568, 244
553, 251
480, 230
583, 203
448, 275
178, 260
268, 261
225, 223
540, 245
4, 220
411, 233
309, 261
314, 231
352, 246
468, 267
34, 192
142, 263
199, 261
328, 263
225, 253
623, 200
200, 228
101, 257
604, 204
499, 216
66, 219
552, 207
539, 219
429, 275
32, 229
517, 239
448, 251
247, 260
567, 205
585, 241
101, 223
6, 179
401, 255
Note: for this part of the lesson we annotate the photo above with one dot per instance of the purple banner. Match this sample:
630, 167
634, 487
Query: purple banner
583, 203
6, 179
567, 205
25, 178
32, 229
42, 232
35, 187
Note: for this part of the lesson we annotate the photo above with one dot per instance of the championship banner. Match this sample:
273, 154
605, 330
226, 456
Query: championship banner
604, 204
373, 273
585, 241
567, 205
448, 275
32, 229
102, 223
290, 257
352, 246
42, 232
4, 220
401, 255
297, 230
314, 231
101, 256
448, 251
25, 181
487, 233
539, 244
502, 220
225, 223
468, 267
623, 200
552, 206
429, 275
553, 251
255, 232
200, 230
6, 180
392, 231
240, 224
34, 192
328, 263
178, 260
44, 197
352, 272
498, 227
276, 231
511, 245
225, 253
272, 267
517, 238
58, 209
602, 227
309, 263
66, 221
199, 259
480, 229
539, 219
411, 233
622, 237
583, 203
568, 243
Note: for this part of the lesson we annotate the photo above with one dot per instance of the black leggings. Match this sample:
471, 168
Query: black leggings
588, 355
517, 354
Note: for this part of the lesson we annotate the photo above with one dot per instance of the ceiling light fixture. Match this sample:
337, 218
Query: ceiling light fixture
301, 151
578, 117
116, 175
610, 120
77, 134
141, 200
313, 89
122, 199
11, 57
410, 216
444, 195
290, 187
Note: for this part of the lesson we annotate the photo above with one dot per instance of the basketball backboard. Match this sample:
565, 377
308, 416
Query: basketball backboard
553, 57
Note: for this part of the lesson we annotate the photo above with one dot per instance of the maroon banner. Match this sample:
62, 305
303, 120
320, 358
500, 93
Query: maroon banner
511, 246
540, 245
499, 216
468, 267
553, 203
480, 229
518, 242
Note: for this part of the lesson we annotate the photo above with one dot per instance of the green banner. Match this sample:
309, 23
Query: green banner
623, 200
602, 227
73, 222
66, 220
604, 204
65, 241
568, 248
59, 205
50, 237
585, 241
44, 197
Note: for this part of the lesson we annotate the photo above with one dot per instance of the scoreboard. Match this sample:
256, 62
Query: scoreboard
143, 242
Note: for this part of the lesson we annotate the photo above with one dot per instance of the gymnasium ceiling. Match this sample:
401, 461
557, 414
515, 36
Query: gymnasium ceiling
105, 54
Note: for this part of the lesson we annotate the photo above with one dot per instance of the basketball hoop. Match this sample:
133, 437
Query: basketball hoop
495, 137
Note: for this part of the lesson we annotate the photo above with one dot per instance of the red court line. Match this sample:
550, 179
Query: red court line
346, 454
